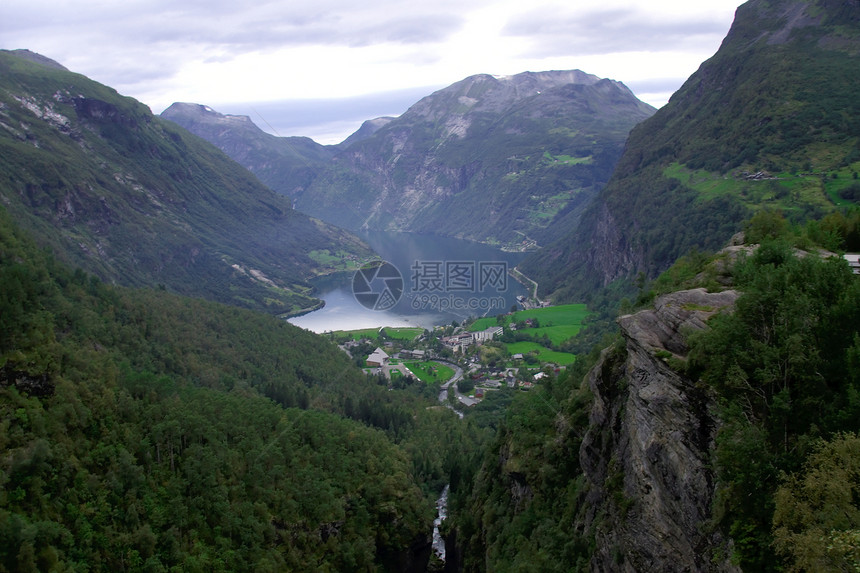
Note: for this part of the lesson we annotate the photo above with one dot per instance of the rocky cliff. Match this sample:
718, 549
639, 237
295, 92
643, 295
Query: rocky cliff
646, 453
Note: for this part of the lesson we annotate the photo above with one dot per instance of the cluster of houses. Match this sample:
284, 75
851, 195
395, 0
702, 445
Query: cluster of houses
379, 357
485, 380
459, 342
489, 381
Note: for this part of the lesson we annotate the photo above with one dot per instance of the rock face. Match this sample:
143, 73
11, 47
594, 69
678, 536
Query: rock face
646, 454
507, 160
496, 159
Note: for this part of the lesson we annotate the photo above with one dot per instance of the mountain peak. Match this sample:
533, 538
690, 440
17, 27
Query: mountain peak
202, 113
492, 94
36, 58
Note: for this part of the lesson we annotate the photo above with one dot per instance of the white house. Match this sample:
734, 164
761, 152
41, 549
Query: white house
378, 358
853, 262
488, 334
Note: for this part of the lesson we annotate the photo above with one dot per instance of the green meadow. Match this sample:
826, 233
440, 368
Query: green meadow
403, 332
430, 371
544, 354
559, 323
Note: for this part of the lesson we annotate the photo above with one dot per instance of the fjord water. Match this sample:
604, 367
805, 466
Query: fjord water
437, 287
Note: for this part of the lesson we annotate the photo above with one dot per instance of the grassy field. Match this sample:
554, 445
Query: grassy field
395, 333
544, 354
338, 261
787, 190
403, 333
430, 371
370, 333
559, 323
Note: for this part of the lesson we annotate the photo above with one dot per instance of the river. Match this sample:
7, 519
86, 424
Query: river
443, 280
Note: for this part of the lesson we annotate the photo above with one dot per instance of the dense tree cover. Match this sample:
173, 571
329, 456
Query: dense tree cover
527, 488
817, 510
144, 431
784, 366
783, 370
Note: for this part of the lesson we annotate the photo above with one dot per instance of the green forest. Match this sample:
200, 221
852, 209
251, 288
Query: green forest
142, 431
782, 370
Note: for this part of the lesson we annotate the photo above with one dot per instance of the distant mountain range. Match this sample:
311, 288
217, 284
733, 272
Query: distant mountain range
504, 160
136, 200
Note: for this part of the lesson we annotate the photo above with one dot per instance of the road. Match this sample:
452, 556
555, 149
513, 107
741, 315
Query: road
458, 375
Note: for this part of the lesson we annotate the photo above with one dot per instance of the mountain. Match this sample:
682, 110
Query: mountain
770, 121
136, 200
504, 160
367, 129
285, 164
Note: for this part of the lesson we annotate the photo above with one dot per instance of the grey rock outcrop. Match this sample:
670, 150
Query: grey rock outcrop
646, 454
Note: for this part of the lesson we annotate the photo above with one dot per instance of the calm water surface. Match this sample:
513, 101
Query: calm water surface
444, 279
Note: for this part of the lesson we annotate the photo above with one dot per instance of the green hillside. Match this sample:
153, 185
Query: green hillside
770, 121
286, 164
146, 431
137, 200
779, 375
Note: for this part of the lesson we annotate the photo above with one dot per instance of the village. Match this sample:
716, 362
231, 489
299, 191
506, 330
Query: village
466, 363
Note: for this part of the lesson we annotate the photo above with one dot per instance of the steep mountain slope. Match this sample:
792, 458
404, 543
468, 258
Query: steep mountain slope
606, 470
137, 200
771, 120
141, 430
286, 164
491, 159
508, 160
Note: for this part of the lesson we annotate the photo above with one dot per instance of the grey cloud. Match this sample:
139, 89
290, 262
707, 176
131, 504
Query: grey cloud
655, 85
131, 44
608, 31
244, 28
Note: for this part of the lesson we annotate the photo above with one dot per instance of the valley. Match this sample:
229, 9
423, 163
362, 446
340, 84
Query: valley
531, 324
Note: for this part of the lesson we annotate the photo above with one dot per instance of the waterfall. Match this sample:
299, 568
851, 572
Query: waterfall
441, 514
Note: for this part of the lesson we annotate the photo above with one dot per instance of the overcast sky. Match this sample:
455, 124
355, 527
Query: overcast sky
320, 67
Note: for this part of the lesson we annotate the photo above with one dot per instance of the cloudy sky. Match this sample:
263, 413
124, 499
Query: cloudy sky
320, 67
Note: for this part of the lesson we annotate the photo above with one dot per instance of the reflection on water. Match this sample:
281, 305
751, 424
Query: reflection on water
428, 300
342, 312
